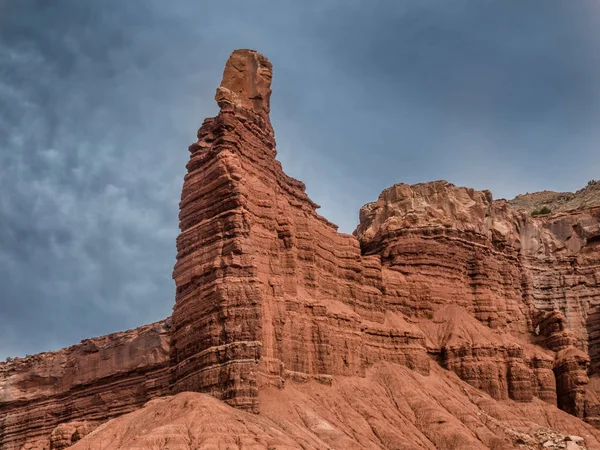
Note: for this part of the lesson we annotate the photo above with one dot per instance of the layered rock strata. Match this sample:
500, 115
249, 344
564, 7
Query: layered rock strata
533, 277
437, 279
266, 287
94, 381
494, 362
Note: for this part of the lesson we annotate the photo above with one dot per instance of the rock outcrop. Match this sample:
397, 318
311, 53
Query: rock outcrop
266, 288
441, 295
91, 382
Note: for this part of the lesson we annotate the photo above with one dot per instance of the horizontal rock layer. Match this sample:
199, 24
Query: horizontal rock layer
94, 381
268, 289
535, 277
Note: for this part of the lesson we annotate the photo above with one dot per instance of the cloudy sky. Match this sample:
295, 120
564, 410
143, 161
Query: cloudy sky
99, 101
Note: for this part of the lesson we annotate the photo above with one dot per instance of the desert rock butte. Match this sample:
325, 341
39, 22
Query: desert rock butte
448, 320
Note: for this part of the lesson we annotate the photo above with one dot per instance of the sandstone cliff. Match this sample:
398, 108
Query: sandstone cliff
535, 277
453, 316
267, 289
88, 383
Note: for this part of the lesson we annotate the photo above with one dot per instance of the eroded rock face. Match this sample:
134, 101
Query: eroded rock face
455, 236
246, 83
96, 380
438, 281
570, 365
266, 288
535, 277
495, 261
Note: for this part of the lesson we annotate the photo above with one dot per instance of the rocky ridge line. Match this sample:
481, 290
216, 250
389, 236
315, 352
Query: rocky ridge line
586, 197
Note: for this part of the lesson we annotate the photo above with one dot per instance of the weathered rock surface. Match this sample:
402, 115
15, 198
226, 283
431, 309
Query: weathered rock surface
535, 277
94, 381
337, 340
266, 288
392, 407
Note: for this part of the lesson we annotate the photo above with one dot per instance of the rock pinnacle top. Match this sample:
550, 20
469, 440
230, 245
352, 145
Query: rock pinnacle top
246, 81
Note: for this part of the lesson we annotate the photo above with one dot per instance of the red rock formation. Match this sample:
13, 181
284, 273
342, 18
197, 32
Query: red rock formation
267, 297
494, 362
267, 288
96, 380
438, 279
441, 244
587, 197
570, 368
